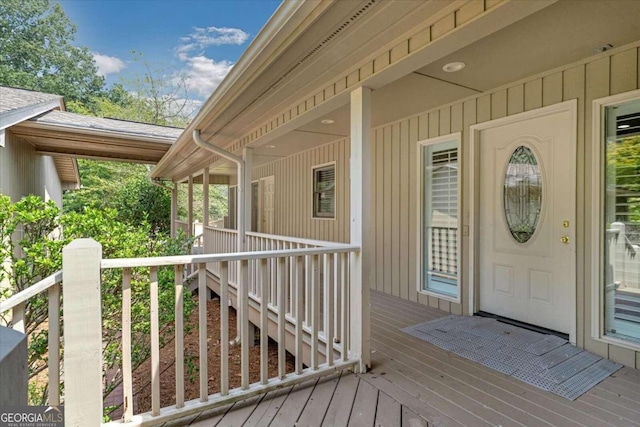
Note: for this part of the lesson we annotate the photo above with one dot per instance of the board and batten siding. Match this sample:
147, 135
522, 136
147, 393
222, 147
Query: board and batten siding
24, 172
395, 180
293, 198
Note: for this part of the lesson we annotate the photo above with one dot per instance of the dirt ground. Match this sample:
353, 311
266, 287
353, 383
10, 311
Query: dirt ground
142, 376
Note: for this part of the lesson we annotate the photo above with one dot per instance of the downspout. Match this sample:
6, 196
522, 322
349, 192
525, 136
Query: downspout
240, 197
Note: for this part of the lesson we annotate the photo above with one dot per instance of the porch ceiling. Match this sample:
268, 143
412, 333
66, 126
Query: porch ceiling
60, 133
556, 35
565, 32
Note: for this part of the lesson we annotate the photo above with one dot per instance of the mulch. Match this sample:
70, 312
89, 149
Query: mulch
142, 375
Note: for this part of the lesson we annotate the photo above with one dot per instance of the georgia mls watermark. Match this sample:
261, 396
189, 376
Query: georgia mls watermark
31, 416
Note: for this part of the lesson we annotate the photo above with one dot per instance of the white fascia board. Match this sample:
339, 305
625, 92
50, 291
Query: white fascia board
1, 137
19, 115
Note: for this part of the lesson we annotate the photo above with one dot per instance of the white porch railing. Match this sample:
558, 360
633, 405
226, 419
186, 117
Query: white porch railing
290, 278
17, 304
217, 240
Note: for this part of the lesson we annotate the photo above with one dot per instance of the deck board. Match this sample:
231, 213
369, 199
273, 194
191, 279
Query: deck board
316, 408
387, 322
294, 405
388, 412
411, 419
414, 383
342, 401
363, 413
268, 408
553, 409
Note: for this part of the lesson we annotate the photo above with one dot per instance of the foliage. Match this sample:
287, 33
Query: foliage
37, 51
150, 97
100, 181
41, 246
139, 201
623, 169
124, 187
217, 202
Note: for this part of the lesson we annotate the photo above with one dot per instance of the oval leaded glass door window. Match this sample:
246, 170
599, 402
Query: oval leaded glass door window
522, 194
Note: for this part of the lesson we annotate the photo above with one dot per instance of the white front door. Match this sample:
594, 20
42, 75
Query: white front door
267, 205
527, 219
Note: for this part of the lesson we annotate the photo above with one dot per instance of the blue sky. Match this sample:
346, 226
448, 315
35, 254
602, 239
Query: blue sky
201, 39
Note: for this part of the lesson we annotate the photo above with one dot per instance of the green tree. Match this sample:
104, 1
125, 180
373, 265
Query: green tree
40, 255
139, 202
37, 51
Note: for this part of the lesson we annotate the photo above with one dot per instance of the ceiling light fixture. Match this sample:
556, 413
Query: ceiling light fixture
624, 126
452, 67
327, 121
603, 48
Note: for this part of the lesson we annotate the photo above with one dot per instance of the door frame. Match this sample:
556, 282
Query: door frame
474, 170
261, 188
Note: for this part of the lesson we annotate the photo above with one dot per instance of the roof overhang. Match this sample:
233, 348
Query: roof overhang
68, 172
292, 79
18, 115
96, 138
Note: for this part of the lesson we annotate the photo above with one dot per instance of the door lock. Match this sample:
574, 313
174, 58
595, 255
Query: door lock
565, 240
565, 224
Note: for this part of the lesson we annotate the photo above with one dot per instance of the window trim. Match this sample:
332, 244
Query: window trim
313, 191
420, 268
597, 215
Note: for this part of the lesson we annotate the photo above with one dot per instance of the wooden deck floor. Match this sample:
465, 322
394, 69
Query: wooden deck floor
413, 383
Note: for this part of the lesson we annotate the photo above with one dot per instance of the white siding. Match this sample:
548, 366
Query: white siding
294, 193
395, 178
23, 172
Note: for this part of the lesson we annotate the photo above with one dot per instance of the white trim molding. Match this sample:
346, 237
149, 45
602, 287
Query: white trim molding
313, 190
570, 106
597, 204
420, 267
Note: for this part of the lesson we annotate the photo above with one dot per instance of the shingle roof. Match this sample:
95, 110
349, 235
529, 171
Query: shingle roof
13, 99
65, 118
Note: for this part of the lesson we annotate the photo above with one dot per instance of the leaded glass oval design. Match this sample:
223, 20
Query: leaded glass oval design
522, 194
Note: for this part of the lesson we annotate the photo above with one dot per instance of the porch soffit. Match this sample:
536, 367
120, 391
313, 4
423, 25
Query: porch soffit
60, 133
68, 172
372, 52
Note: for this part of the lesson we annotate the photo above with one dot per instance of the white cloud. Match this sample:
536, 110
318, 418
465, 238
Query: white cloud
108, 64
202, 75
202, 38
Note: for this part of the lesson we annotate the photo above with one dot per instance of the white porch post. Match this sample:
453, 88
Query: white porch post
243, 222
247, 156
205, 198
174, 209
82, 333
190, 212
360, 265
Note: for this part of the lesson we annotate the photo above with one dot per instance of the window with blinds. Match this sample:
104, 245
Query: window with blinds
440, 217
324, 195
622, 221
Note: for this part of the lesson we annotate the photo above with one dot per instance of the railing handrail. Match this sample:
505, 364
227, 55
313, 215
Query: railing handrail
237, 256
289, 239
181, 221
31, 291
221, 229
322, 243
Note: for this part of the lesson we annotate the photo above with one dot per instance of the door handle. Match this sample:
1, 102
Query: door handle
565, 240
